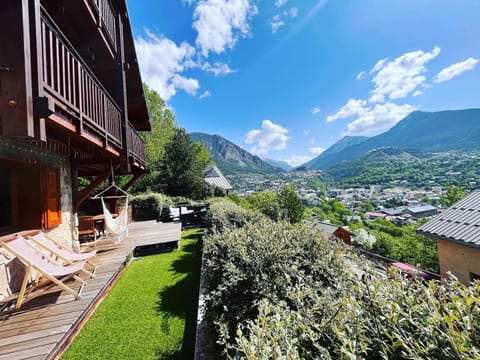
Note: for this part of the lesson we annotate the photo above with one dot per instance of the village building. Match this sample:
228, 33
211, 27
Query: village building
457, 230
335, 231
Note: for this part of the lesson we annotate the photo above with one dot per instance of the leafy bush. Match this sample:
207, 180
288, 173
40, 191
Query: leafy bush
147, 206
224, 214
281, 291
380, 319
265, 260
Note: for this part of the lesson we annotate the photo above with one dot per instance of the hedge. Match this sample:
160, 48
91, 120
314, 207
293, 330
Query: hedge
279, 291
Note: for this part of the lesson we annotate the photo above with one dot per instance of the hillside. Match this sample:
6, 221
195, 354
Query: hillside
389, 166
425, 132
278, 164
232, 159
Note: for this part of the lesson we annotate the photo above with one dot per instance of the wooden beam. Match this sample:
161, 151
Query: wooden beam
121, 90
16, 99
130, 182
85, 193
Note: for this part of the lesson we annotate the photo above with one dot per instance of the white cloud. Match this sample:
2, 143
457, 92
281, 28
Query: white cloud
161, 61
293, 12
315, 110
312, 141
351, 108
455, 70
220, 23
188, 85
417, 92
316, 150
396, 79
361, 75
279, 20
379, 118
280, 3
270, 137
276, 25
217, 68
296, 160
205, 94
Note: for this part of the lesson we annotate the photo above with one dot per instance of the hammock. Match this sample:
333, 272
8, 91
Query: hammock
117, 228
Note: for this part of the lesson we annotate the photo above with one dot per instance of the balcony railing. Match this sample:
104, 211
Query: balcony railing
136, 145
68, 80
106, 19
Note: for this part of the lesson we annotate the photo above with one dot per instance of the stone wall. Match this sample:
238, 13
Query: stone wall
459, 259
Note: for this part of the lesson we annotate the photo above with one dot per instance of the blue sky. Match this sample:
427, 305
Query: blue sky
286, 79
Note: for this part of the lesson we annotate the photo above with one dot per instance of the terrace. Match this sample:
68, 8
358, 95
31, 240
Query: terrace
43, 327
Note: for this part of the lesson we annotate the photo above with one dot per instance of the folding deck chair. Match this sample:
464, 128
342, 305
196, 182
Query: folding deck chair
57, 274
58, 251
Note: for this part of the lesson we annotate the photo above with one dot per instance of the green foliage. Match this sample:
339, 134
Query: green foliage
281, 291
381, 318
237, 199
181, 172
454, 194
401, 243
163, 126
265, 260
147, 206
417, 171
224, 214
150, 313
267, 202
331, 210
290, 204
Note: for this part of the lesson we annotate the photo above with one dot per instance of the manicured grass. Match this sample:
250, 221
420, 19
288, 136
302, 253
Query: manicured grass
150, 313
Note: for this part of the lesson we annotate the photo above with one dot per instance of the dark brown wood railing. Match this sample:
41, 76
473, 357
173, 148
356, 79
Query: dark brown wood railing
68, 79
136, 145
106, 19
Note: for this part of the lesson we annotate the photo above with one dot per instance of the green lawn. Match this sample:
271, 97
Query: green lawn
151, 311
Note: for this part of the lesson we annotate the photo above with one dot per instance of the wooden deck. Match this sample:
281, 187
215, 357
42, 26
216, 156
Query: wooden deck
43, 327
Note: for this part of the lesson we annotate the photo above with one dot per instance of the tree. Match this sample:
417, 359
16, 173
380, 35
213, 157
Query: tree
163, 126
454, 194
290, 204
266, 202
181, 173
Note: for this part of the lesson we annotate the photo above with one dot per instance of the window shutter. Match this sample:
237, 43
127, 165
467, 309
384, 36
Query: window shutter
52, 204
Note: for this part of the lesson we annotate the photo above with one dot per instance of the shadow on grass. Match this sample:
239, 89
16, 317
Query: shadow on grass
181, 299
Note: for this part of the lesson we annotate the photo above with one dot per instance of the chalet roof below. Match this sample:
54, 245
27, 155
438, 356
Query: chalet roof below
214, 176
327, 227
459, 223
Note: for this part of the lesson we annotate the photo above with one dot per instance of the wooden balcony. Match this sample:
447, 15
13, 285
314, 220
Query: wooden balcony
105, 18
136, 146
82, 104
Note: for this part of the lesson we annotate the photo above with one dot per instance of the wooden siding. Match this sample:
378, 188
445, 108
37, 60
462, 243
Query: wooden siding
43, 327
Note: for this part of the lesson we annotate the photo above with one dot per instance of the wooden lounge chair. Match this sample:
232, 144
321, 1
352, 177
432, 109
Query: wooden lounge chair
57, 274
59, 252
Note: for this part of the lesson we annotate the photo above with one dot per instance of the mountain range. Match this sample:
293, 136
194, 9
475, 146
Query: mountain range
425, 132
420, 134
231, 158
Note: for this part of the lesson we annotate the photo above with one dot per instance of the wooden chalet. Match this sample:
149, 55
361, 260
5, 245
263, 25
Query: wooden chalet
71, 105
